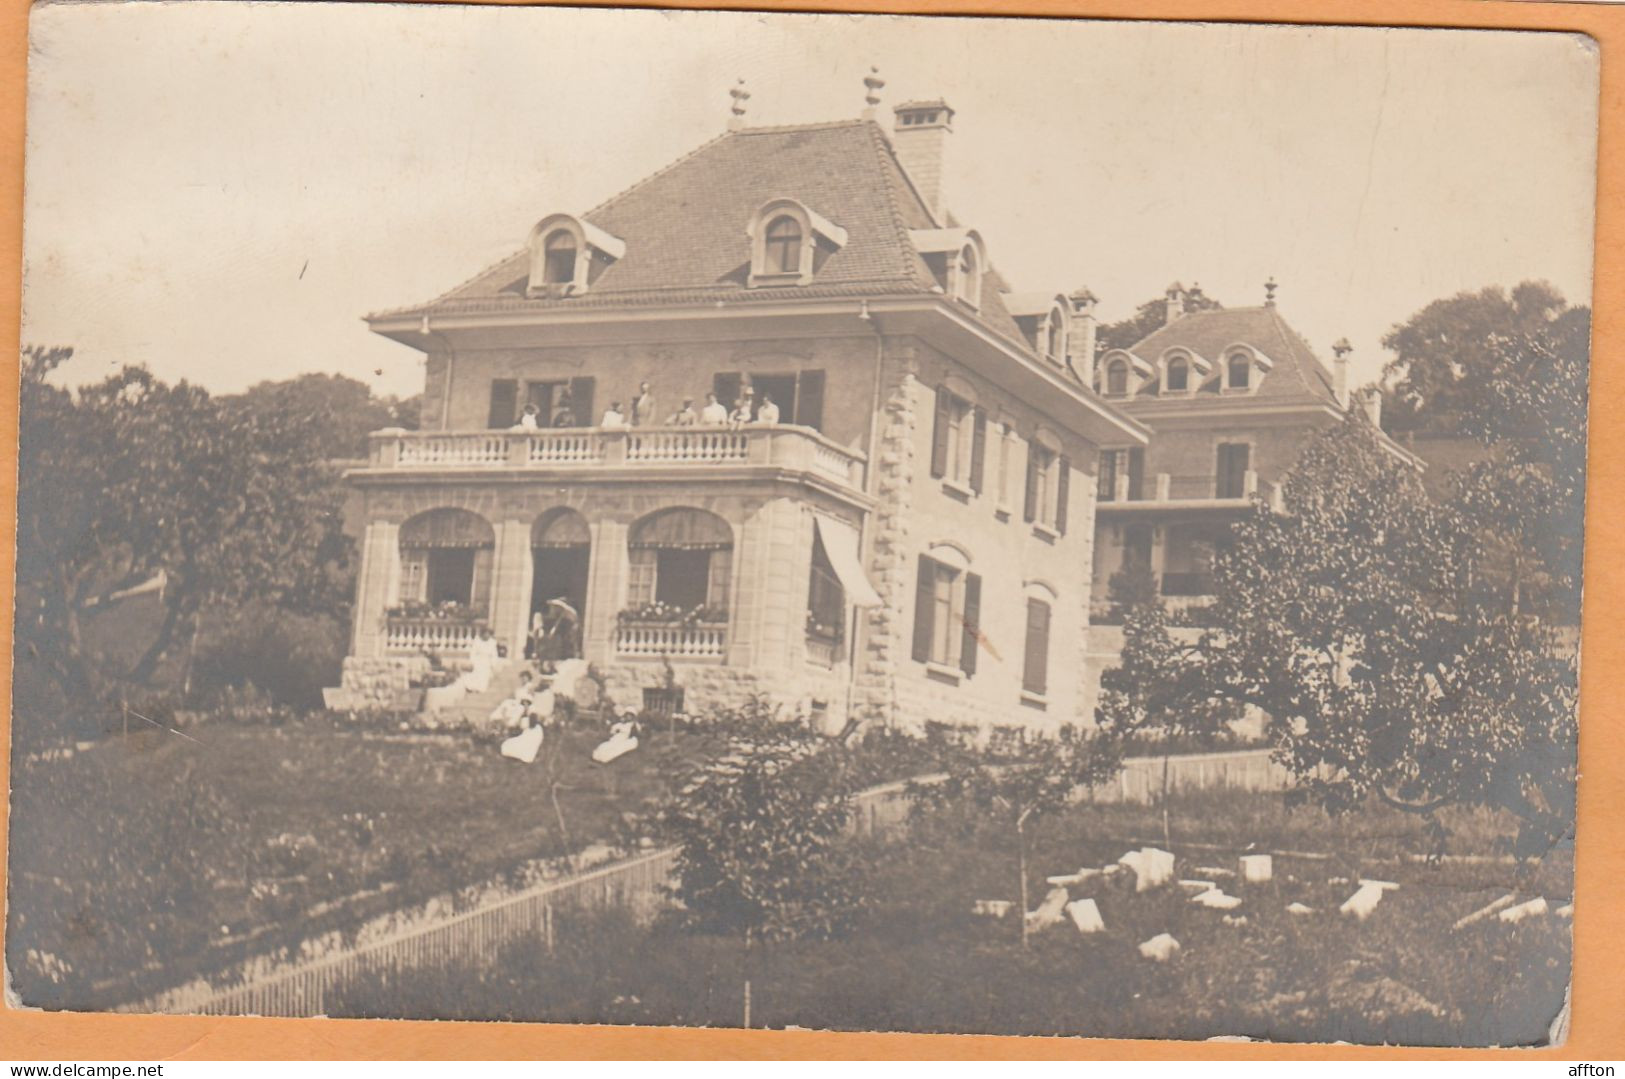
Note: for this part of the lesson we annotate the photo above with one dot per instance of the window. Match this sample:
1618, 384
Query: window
1233, 462
967, 283
680, 557
1035, 665
450, 575
1048, 477
504, 408
947, 613
1106, 485
559, 258
1117, 378
799, 395
784, 246
1179, 374
446, 557
1238, 372
958, 441
1007, 464
826, 599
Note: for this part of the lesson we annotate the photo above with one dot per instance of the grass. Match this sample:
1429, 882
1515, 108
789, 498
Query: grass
917, 959
144, 862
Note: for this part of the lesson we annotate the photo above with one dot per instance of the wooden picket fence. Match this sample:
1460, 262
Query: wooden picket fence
636, 884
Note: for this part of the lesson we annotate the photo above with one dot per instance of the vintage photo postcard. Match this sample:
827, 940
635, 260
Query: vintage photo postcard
872, 523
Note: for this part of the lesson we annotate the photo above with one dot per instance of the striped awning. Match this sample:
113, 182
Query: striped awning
448, 528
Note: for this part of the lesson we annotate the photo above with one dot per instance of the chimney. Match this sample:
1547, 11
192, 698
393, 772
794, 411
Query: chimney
1081, 333
920, 138
1176, 303
1340, 371
1373, 405
736, 112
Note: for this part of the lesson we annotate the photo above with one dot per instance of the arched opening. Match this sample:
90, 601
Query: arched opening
681, 561
783, 245
446, 564
1179, 375
1238, 372
1054, 336
968, 276
1117, 378
561, 558
559, 258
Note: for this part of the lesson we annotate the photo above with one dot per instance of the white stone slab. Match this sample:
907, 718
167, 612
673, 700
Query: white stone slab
1157, 868
1565, 911
1213, 871
1198, 886
1484, 912
1214, 899
1050, 910
1086, 916
1160, 948
1299, 908
1385, 885
994, 908
1257, 868
524, 746
1532, 909
1362, 902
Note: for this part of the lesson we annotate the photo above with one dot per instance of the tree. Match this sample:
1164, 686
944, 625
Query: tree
130, 478
1354, 620
343, 410
1444, 356
1022, 782
1148, 318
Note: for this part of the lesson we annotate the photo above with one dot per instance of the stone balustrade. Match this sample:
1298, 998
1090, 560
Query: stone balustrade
439, 635
705, 640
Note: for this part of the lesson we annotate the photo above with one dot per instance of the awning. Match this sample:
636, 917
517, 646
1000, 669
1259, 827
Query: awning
841, 546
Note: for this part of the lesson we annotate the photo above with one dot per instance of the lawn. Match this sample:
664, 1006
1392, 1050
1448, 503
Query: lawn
918, 959
140, 863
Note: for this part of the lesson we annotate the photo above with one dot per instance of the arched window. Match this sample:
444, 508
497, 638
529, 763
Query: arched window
559, 267
446, 559
1179, 374
784, 245
680, 559
1054, 336
1117, 378
561, 553
1238, 371
968, 276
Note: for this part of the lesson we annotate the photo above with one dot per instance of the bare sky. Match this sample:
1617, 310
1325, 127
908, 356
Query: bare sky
221, 190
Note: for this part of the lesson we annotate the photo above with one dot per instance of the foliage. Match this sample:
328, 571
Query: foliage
445, 611
288, 656
759, 828
659, 613
129, 478
1147, 319
343, 410
1445, 358
1355, 621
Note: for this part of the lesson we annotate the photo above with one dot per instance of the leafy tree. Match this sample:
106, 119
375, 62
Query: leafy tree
343, 410
1147, 319
129, 478
1354, 620
1022, 781
1444, 355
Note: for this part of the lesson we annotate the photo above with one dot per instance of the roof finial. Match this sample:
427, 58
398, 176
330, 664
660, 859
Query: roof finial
1269, 291
872, 84
740, 96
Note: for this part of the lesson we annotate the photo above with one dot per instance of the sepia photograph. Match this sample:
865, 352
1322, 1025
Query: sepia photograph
802, 522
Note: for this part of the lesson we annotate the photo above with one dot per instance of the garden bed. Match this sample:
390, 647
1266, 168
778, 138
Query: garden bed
918, 959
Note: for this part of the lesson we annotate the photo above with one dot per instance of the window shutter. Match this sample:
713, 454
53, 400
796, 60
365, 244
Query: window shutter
1030, 512
1035, 670
1106, 491
923, 607
504, 403
718, 577
640, 584
978, 450
1062, 482
972, 620
810, 400
1136, 472
581, 401
939, 435
726, 385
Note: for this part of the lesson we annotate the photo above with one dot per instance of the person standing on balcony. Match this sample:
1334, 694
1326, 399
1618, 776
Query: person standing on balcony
613, 416
529, 418
685, 416
741, 413
713, 414
565, 415
769, 412
643, 406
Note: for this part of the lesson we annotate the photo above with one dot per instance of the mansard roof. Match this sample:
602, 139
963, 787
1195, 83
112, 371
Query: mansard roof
1296, 372
685, 230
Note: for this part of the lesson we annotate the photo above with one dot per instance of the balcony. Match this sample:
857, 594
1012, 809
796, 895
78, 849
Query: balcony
1190, 492
652, 449
403, 634
650, 640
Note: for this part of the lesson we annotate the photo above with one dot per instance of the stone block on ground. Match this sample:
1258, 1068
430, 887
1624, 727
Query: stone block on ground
1385, 885
1214, 899
1257, 868
1234, 919
524, 746
1485, 911
1198, 886
1086, 916
1362, 902
1299, 908
993, 908
1159, 948
1067, 879
1050, 910
1213, 871
1158, 867
1532, 909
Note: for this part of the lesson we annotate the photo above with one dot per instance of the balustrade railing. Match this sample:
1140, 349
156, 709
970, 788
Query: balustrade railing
701, 641
403, 634
682, 445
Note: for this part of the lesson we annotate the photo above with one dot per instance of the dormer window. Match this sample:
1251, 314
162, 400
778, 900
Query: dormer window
1117, 378
789, 243
567, 255
966, 280
1055, 336
1238, 371
957, 260
1179, 375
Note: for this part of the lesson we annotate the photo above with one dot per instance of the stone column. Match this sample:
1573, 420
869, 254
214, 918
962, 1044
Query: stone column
764, 612
606, 589
1159, 555
511, 568
376, 584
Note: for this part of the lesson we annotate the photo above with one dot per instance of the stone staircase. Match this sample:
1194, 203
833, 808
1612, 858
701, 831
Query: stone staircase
477, 707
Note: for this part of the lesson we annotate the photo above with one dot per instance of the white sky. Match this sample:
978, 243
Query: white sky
222, 190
